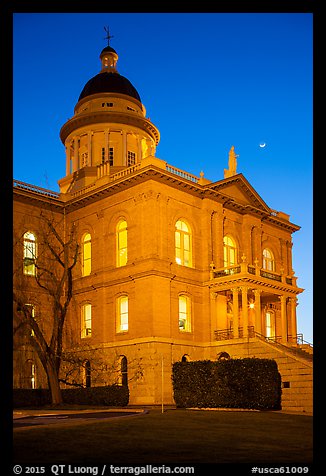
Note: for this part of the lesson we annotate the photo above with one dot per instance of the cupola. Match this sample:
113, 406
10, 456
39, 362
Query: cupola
109, 130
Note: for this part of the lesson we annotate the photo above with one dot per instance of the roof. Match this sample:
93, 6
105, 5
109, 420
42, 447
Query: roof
109, 82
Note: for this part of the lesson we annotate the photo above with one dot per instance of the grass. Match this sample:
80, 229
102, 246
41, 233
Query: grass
174, 437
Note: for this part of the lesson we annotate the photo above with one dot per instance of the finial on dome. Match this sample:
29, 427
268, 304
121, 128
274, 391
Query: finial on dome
108, 55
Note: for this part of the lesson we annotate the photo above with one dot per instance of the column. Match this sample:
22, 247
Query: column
124, 148
235, 294
89, 148
213, 315
106, 145
75, 164
68, 159
284, 330
244, 293
257, 311
293, 320
139, 151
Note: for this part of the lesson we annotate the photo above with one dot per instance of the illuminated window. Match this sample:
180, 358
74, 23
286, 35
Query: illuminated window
29, 253
86, 320
123, 311
268, 260
184, 313
122, 243
229, 252
270, 324
33, 375
31, 311
30, 373
86, 254
183, 254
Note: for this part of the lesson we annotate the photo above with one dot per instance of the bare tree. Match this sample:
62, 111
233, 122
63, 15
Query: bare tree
51, 281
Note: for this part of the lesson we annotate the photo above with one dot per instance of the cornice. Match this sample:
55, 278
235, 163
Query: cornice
33, 198
152, 172
99, 117
252, 282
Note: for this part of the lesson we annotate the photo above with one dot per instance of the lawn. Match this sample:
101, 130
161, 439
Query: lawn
174, 437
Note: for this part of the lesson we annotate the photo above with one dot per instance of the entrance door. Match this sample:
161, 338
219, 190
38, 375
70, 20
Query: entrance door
270, 324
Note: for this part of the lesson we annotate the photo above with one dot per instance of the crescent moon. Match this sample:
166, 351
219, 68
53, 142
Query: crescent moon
262, 145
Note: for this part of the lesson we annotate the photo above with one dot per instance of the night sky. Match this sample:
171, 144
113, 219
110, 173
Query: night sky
208, 81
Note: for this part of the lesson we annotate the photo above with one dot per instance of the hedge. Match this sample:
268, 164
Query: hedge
111, 395
236, 383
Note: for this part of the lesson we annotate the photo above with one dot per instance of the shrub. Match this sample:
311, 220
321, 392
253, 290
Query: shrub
236, 383
111, 395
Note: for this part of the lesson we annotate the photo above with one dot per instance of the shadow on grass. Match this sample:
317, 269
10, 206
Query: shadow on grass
174, 437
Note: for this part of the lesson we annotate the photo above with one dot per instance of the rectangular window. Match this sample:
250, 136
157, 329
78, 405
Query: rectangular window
86, 325
111, 155
131, 160
123, 314
122, 243
33, 376
87, 255
29, 254
84, 158
184, 314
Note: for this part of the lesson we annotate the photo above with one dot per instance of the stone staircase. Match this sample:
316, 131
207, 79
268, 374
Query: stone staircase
295, 365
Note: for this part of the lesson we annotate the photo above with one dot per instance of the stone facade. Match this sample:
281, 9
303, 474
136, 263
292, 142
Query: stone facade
171, 266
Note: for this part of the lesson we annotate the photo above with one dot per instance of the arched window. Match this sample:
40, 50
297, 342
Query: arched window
185, 358
184, 313
86, 254
123, 374
30, 253
87, 374
183, 239
86, 320
229, 252
122, 243
268, 260
123, 314
223, 356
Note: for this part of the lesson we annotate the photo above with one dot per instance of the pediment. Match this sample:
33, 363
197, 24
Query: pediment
238, 189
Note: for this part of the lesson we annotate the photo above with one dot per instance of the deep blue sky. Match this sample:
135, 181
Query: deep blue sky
208, 81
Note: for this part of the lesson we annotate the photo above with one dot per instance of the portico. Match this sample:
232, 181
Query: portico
257, 302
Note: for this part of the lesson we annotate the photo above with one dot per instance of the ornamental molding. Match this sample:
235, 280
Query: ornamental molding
126, 119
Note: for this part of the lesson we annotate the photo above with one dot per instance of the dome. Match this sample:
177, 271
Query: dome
109, 83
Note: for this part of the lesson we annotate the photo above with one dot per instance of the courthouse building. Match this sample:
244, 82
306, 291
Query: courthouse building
171, 266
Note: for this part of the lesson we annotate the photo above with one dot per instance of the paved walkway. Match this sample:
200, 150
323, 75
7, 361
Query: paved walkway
27, 418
